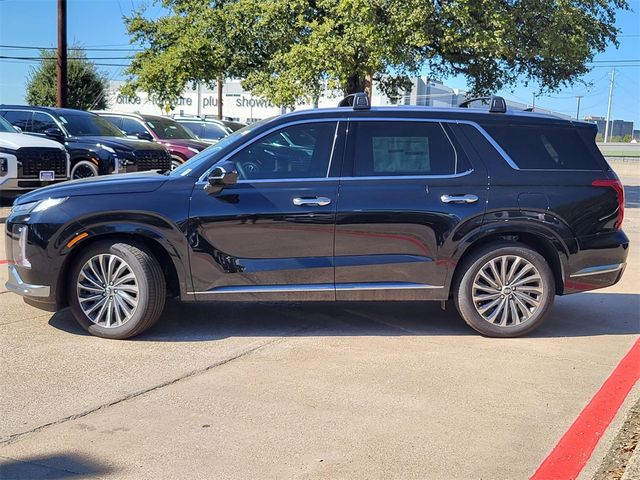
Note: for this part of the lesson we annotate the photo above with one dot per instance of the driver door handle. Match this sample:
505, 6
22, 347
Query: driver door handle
311, 201
459, 198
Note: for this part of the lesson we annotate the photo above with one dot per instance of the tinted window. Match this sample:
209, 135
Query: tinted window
167, 129
116, 121
194, 128
297, 151
544, 147
213, 132
84, 125
19, 118
6, 126
402, 148
41, 122
131, 126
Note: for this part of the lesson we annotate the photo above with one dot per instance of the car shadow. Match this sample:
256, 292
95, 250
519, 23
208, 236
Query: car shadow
632, 196
572, 316
57, 466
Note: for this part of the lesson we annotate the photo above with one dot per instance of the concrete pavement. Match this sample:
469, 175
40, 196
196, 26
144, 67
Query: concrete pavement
394, 390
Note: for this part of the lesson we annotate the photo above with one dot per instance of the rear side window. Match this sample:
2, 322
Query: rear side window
402, 149
544, 147
19, 118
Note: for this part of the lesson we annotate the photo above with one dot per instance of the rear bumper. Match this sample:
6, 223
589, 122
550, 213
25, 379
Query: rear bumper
599, 263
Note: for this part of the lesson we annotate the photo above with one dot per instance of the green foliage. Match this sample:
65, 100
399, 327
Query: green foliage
289, 50
87, 87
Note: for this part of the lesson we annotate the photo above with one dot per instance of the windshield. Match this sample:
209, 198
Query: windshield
206, 156
168, 129
6, 126
80, 125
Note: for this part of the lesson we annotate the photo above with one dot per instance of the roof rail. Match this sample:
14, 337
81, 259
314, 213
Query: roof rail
359, 101
496, 104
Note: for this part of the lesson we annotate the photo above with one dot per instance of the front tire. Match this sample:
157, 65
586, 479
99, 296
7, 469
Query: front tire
83, 169
504, 290
176, 162
116, 290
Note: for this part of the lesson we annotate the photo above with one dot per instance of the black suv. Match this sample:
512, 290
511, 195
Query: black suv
496, 211
95, 146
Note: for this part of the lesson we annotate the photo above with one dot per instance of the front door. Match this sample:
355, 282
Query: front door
407, 195
270, 236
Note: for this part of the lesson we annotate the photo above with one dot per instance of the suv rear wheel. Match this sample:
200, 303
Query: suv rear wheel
117, 290
506, 290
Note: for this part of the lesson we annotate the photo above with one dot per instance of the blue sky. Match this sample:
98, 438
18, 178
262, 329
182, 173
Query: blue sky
98, 23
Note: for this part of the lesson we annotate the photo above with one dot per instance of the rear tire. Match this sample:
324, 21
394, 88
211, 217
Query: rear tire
116, 290
83, 169
504, 289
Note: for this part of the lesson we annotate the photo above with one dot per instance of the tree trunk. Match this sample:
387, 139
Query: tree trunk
220, 82
357, 84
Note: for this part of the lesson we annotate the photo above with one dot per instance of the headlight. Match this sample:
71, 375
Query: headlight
39, 206
194, 150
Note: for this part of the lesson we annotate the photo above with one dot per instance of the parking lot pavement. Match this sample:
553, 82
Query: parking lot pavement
394, 390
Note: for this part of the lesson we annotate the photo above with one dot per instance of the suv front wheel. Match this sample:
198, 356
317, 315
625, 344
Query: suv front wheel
116, 290
505, 290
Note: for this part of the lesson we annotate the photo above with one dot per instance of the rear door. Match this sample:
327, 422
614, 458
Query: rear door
407, 195
270, 236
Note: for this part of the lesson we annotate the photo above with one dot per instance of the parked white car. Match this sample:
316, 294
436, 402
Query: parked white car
28, 162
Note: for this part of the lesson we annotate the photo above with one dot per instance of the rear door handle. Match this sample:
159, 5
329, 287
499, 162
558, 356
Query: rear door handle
311, 201
459, 198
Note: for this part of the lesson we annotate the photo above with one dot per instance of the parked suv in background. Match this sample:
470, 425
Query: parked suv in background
181, 143
95, 146
27, 162
209, 130
496, 211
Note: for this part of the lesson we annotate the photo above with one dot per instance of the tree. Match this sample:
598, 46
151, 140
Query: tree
289, 50
87, 86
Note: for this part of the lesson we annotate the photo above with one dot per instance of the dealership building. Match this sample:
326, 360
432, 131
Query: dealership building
240, 105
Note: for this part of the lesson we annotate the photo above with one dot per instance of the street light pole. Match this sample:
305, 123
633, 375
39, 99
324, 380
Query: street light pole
61, 100
606, 127
578, 97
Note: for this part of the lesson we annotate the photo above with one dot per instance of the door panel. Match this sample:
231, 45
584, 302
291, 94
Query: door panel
394, 233
266, 238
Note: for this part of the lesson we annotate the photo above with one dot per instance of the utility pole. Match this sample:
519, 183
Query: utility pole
578, 97
219, 88
61, 100
606, 127
533, 104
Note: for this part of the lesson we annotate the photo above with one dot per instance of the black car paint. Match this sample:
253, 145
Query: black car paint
91, 148
249, 234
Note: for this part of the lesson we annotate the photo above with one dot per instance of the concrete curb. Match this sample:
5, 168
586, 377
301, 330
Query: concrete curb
633, 467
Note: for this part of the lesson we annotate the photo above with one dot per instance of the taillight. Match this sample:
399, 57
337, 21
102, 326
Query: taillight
617, 186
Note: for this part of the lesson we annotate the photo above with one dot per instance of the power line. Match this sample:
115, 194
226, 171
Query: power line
37, 59
91, 49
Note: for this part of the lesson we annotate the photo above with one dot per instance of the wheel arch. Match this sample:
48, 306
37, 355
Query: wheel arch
174, 271
546, 243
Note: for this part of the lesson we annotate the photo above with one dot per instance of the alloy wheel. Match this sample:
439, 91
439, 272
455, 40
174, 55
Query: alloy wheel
507, 290
82, 171
108, 291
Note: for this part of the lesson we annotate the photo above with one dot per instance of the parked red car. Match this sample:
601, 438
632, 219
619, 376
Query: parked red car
180, 141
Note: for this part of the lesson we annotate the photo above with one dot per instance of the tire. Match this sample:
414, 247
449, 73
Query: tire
176, 162
83, 169
123, 313
526, 302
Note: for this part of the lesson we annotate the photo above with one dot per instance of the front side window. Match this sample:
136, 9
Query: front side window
296, 151
542, 147
168, 129
384, 148
41, 122
132, 127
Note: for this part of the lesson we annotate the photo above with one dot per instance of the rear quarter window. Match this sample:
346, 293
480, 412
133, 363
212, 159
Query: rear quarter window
544, 147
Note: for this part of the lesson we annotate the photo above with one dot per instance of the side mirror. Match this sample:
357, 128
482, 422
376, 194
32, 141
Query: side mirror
55, 133
223, 175
144, 136
17, 129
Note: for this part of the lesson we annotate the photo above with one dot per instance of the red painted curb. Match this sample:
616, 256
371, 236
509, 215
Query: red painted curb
569, 456
2, 262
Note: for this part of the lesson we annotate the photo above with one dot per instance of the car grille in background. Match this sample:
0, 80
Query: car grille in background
36, 159
153, 160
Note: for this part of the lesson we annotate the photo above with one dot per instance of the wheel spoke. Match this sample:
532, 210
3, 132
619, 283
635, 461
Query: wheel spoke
107, 290
490, 281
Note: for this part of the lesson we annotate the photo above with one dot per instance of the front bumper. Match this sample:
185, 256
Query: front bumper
15, 184
16, 285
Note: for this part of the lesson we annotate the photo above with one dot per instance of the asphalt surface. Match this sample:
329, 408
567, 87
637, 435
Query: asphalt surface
391, 390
